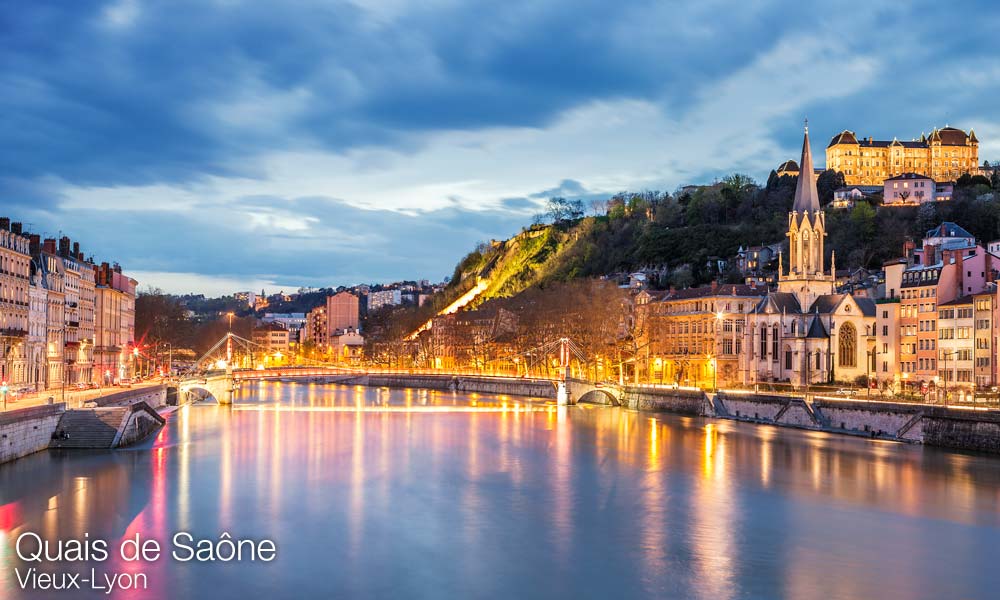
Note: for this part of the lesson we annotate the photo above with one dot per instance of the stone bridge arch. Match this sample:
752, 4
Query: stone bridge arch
585, 392
218, 387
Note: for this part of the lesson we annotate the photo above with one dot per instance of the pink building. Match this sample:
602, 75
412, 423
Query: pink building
342, 313
913, 188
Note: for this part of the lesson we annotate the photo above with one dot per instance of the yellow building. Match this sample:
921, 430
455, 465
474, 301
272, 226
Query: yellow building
945, 155
694, 337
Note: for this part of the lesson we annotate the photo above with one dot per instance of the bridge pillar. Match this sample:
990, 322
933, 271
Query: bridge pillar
562, 394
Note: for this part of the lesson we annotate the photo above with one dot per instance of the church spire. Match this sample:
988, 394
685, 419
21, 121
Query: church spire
806, 196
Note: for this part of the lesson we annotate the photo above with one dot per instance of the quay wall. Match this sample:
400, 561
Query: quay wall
962, 429
952, 428
142, 421
155, 397
28, 430
683, 402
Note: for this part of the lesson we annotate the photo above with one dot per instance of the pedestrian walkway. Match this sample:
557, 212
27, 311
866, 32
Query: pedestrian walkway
74, 398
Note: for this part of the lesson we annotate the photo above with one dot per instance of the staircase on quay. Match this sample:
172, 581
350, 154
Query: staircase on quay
90, 428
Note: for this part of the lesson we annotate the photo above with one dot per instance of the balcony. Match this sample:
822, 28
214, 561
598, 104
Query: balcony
11, 332
73, 323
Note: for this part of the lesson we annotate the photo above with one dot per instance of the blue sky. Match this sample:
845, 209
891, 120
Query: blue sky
216, 145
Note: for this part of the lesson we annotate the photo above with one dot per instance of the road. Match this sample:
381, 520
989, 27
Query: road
73, 398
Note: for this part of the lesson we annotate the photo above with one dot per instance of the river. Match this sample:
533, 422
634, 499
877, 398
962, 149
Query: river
377, 493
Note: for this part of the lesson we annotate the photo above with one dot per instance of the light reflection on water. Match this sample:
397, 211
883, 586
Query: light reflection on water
373, 492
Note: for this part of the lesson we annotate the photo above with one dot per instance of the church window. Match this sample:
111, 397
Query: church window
788, 358
763, 341
847, 346
774, 343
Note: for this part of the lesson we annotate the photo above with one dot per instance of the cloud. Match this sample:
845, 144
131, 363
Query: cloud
325, 142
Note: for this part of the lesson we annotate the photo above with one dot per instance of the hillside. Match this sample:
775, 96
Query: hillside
679, 236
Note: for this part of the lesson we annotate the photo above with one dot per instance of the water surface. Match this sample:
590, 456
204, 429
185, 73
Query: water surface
376, 493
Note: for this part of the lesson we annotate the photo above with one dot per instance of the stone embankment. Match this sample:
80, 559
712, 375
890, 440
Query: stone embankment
948, 427
111, 421
28, 430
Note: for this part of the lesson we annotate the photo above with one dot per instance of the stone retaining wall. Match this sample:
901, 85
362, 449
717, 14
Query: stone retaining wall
962, 429
683, 402
871, 417
142, 422
28, 430
155, 397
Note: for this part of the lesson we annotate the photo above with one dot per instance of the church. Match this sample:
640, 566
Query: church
804, 332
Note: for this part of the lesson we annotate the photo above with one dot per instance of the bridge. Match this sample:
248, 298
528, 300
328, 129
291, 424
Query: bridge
221, 382
217, 385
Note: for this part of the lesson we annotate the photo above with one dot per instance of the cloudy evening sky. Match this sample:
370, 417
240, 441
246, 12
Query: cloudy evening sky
220, 145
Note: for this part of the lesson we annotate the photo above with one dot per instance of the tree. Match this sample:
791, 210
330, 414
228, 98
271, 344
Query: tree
560, 210
827, 183
161, 318
927, 217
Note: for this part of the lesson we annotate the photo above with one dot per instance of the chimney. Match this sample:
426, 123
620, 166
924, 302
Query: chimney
35, 244
908, 247
76, 250
16, 227
715, 285
50, 245
929, 254
64, 247
104, 274
5, 223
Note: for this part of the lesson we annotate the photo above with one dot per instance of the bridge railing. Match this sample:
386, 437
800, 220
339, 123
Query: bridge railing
330, 371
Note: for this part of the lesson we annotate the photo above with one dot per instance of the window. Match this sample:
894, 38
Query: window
774, 343
763, 341
788, 359
848, 346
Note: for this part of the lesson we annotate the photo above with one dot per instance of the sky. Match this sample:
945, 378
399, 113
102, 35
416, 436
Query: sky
213, 146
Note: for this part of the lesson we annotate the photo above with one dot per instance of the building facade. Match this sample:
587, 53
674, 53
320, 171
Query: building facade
944, 155
805, 333
342, 313
15, 277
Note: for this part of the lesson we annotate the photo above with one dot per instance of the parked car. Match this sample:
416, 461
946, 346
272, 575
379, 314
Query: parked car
845, 392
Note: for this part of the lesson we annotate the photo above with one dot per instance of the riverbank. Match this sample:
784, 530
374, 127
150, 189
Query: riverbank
109, 421
946, 427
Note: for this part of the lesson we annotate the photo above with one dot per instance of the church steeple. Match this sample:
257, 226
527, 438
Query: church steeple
806, 195
806, 277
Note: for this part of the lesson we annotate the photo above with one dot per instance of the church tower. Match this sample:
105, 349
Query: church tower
806, 237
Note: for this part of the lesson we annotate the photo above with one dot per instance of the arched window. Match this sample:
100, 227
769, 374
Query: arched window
774, 343
847, 346
763, 341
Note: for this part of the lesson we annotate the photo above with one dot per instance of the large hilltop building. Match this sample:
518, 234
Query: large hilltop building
944, 155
